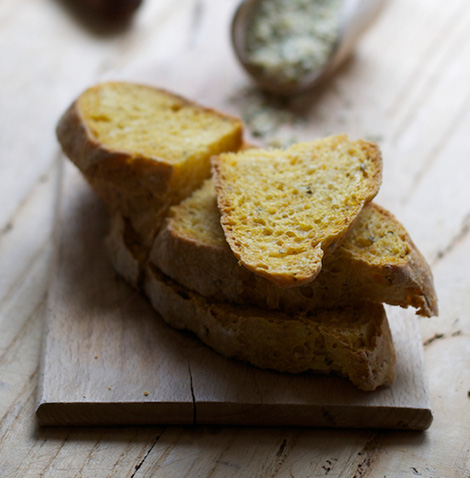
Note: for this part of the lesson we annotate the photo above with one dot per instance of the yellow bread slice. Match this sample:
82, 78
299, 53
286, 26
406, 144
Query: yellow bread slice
354, 342
377, 261
282, 210
143, 149
125, 249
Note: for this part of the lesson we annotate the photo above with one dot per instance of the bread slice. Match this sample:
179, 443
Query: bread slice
143, 149
127, 254
355, 343
377, 261
282, 210
125, 249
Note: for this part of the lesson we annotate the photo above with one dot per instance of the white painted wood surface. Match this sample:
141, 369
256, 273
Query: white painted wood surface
408, 86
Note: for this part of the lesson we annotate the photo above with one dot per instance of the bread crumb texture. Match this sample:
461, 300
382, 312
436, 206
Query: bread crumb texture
281, 210
197, 217
143, 149
377, 237
153, 123
377, 261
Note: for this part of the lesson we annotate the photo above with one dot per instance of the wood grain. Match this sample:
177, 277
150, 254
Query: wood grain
407, 86
109, 358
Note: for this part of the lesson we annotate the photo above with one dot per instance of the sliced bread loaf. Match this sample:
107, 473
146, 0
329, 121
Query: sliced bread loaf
143, 149
125, 250
377, 261
355, 342
282, 210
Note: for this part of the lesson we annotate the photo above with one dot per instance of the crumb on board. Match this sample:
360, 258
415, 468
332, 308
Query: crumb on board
146, 394
269, 118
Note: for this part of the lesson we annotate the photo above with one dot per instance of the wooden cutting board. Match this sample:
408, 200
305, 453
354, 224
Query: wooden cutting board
108, 358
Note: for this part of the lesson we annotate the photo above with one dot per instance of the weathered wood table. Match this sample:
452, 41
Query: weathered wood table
407, 87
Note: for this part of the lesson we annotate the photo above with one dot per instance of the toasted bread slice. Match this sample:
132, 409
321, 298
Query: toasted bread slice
377, 261
127, 254
143, 149
354, 342
282, 210
125, 249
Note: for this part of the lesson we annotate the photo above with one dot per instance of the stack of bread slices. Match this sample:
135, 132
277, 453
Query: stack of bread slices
275, 257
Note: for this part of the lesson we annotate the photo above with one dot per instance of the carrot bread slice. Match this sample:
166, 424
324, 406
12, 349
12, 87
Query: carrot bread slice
143, 149
354, 342
282, 210
125, 249
377, 261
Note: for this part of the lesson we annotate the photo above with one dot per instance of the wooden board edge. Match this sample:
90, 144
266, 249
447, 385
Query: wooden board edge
312, 415
51, 277
205, 413
114, 413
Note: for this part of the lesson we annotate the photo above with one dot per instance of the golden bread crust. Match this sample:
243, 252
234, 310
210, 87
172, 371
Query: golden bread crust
125, 251
355, 343
134, 156
377, 261
282, 210
144, 150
